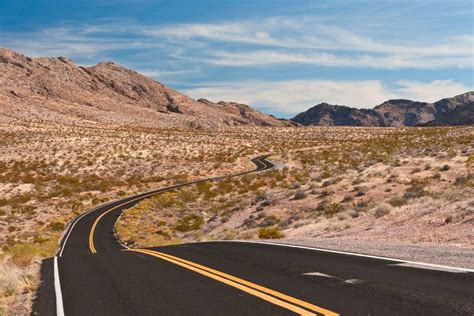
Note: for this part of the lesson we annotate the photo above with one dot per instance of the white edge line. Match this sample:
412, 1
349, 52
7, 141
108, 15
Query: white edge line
57, 290
349, 253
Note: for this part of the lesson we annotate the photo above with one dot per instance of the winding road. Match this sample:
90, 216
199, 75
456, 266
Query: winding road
94, 274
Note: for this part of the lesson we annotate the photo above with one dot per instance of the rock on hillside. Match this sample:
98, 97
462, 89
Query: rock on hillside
57, 89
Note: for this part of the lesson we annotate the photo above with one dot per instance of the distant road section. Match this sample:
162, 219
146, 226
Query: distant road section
94, 274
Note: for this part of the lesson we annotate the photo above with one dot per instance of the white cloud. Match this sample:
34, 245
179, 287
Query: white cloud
267, 57
294, 96
224, 32
156, 72
430, 91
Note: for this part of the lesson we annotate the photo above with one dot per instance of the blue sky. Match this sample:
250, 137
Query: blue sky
279, 56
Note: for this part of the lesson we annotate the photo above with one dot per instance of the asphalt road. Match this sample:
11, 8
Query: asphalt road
93, 274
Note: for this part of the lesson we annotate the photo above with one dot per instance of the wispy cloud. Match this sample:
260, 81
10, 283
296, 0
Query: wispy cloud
430, 91
264, 42
266, 57
294, 96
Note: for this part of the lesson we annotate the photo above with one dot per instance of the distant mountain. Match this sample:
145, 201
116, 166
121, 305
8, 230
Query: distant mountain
450, 111
329, 114
58, 90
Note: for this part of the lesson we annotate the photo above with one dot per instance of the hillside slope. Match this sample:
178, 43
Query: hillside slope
57, 89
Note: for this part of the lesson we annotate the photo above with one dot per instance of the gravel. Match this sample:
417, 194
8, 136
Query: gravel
450, 256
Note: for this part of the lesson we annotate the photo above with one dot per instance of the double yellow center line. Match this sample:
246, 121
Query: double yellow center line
285, 301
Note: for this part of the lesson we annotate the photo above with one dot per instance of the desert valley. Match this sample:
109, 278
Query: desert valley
396, 180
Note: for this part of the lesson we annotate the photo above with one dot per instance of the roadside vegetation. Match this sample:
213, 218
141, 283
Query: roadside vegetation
330, 182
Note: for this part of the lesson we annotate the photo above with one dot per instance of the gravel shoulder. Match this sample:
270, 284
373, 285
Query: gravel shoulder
450, 256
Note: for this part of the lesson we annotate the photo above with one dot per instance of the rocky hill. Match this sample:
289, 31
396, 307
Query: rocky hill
58, 90
450, 111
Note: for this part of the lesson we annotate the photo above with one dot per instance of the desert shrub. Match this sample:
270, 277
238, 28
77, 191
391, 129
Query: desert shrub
180, 178
470, 161
317, 179
56, 226
360, 191
269, 221
23, 254
382, 210
121, 193
328, 182
187, 195
166, 199
416, 190
299, 195
445, 168
260, 197
332, 209
397, 201
270, 233
189, 223
295, 185
77, 205
362, 206
326, 174
467, 180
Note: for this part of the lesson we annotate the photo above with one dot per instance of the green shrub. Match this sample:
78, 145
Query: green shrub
189, 223
299, 195
332, 209
23, 254
56, 226
166, 199
445, 168
186, 195
270, 233
397, 201
381, 210
416, 190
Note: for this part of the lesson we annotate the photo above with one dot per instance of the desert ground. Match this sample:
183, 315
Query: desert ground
361, 188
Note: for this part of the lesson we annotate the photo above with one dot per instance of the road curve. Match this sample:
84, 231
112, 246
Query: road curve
94, 274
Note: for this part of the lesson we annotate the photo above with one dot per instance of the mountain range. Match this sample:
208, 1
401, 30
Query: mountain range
58, 90
458, 110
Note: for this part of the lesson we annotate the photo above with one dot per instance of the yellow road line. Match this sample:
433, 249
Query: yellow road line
246, 286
